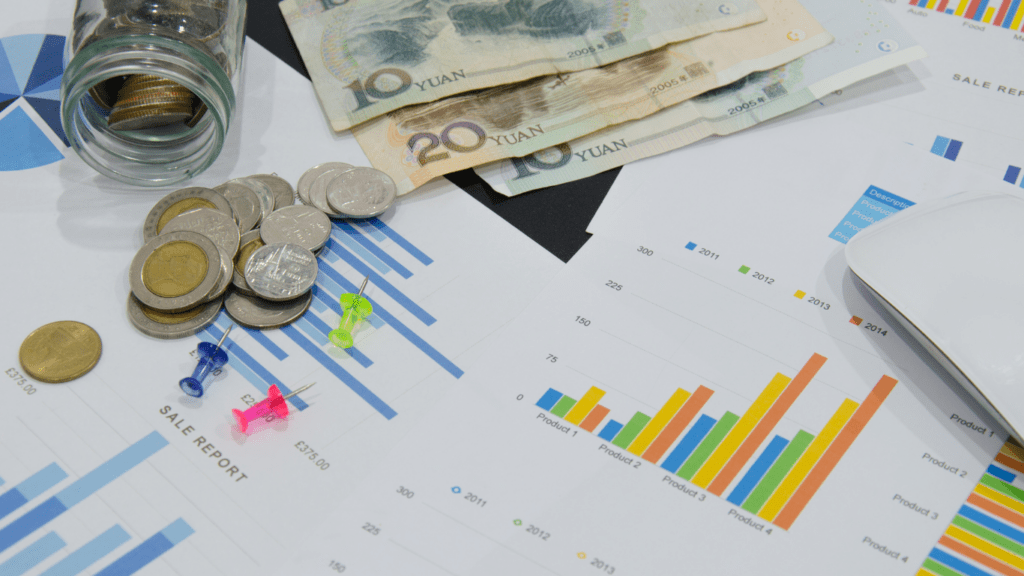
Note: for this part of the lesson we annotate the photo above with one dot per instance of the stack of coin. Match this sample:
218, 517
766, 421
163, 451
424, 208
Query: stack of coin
146, 101
244, 245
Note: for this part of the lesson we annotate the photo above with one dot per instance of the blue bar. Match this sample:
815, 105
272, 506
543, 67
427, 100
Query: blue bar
1010, 13
398, 239
1003, 475
402, 329
955, 563
331, 300
138, 557
340, 373
243, 356
940, 145
549, 399
1012, 173
757, 470
87, 555
356, 235
992, 524
31, 487
689, 443
378, 282
977, 17
361, 251
949, 10
30, 557
80, 489
260, 337
954, 149
316, 325
319, 306
372, 232
610, 430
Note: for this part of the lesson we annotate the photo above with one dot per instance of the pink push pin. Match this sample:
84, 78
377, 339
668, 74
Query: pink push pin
273, 404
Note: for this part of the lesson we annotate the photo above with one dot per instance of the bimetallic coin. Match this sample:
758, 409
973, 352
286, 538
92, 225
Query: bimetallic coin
217, 226
302, 225
284, 194
263, 192
259, 313
181, 201
251, 242
175, 271
60, 352
307, 178
281, 271
318, 191
245, 204
167, 325
224, 280
361, 193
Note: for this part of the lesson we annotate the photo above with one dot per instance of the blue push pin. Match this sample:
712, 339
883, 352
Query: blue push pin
211, 357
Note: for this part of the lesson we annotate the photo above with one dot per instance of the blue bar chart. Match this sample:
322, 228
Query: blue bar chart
948, 148
138, 557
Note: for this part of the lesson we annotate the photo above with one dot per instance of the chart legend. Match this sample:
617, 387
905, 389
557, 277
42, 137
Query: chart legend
856, 320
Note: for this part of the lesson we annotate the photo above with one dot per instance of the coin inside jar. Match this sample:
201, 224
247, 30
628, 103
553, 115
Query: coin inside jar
302, 225
244, 203
361, 193
181, 201
281, 271
259, 313
251, 242
167, 325
60, 352
175, 271
307, 178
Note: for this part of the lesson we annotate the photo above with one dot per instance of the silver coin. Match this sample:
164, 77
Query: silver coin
307, 178
361, 193
251, 242
284, 194
256, 312
217, 226
175, 271
263, 192
181, 201
244, 203
281, 271
224, 281
302, 225
168, 326
318, 191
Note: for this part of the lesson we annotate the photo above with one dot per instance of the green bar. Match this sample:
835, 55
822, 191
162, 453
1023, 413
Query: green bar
1000, 486
744, 269
711, 441
986, 534
563, 406
632, 430
939, 568
777, 472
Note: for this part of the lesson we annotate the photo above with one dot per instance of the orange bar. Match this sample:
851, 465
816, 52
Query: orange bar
677, 424
767, 423
831, 457
984, 559
594, 418
993, 508
1010, 462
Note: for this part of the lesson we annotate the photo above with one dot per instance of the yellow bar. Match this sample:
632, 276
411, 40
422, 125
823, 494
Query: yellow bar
739, 432
1017, 18
960, 9
990, 12
931, 4
985, 546
584, 406
803, 466
999, 498
658, 423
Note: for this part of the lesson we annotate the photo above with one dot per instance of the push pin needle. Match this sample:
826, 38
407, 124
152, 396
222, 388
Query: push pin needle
211, 357
355, 309
274, 404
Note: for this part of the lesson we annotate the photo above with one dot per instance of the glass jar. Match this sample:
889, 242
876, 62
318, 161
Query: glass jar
149, 86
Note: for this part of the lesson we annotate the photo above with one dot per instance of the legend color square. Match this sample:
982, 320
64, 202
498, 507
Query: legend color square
691, 246
856, 321
744, 269
799, 294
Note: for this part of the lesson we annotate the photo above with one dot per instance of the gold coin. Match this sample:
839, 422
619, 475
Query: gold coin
60, 352
245, 252
198, 114
180, 207
175, 269
171, 318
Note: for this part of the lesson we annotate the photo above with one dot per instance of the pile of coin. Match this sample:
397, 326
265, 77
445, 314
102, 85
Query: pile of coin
244, 245
144, 101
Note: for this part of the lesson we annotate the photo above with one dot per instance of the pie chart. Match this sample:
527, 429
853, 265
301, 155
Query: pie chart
31, 67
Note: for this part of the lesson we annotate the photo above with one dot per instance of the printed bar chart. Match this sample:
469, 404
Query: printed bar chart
947, 148
711, 452
33, 486
77, 561
1007, 14
986, 537
151, 549
31, 556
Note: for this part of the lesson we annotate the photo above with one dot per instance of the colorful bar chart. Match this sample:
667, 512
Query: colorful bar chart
1005, 14
947, 147
712, 450
986, 537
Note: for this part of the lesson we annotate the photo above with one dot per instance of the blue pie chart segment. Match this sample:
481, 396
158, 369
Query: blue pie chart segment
31, 68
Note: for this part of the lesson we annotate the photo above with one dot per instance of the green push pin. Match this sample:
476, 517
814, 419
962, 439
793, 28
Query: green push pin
354, 310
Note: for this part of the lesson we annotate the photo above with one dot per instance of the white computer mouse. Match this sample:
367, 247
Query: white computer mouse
951, 271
